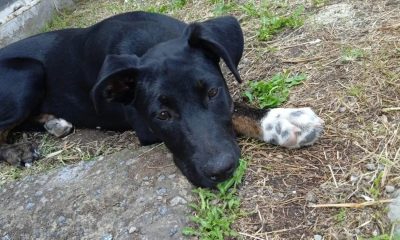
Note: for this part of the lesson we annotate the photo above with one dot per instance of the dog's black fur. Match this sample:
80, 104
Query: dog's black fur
137, 70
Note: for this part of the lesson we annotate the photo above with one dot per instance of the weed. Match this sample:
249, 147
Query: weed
319, 3
380, 237
271, 24
274, 92
355, 91
376, 185
165, 8
352, 54
250, 9
217, 210
222, 7
341, 216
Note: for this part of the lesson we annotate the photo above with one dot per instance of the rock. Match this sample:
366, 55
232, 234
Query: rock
107, 237
394, 216
370, 167
389, 188
100, 199
311, 197
177, 200
132, 229
318, 237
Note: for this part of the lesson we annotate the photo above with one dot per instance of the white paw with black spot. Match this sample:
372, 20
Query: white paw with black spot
291, 127
58, 127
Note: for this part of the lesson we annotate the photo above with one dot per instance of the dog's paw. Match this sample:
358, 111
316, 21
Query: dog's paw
291, 127
21, 154
58, 127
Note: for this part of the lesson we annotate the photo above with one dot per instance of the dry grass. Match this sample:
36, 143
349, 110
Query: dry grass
353, 73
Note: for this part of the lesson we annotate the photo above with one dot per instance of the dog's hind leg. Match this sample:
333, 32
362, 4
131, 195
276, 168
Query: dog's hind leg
22, 87
287, 127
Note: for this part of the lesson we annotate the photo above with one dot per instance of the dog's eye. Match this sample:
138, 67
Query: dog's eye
164, 115
212, 92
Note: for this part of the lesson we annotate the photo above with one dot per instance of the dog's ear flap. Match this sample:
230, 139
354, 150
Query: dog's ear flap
116, 81
222, 36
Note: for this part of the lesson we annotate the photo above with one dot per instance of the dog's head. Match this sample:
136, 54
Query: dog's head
179, 90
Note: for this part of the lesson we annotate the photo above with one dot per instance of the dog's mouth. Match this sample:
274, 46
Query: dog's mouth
200, 177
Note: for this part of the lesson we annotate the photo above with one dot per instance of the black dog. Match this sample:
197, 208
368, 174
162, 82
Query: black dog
147, 72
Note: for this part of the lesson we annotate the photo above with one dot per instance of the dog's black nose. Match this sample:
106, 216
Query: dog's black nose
222, 168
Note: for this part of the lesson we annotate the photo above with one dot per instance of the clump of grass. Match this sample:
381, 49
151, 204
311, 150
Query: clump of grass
319, 3
217, 210
355, 91
272, 24
273, 92
352, 54
381, 237
375, 188
168, 7
341, 216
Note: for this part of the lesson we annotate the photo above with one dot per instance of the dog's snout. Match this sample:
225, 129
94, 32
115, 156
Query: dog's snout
222, 168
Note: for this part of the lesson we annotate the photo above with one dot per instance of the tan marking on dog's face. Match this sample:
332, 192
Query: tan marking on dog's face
247, 126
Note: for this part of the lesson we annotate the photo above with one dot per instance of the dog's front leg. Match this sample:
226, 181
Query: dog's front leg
287, 127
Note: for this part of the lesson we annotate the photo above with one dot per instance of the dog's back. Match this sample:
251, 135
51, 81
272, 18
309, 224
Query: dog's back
72, 59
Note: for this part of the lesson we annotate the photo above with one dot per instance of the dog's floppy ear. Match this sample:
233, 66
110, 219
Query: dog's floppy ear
116, 80
222, 36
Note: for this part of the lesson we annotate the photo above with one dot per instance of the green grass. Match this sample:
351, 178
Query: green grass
271, 21
168, 7
352, 54
272, 24
273, 92
341, 216
216, 210
376, 186
355, 91
319, 3
380, 237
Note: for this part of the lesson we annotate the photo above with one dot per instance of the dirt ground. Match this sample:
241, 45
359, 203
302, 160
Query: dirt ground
350, 53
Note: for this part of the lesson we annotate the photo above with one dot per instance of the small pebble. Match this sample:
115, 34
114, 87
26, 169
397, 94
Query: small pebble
61, 220
177, 200
107, 237
161, 178
173, 231
353, 178
311, 197
389, 188
161, 191
132, 230
6, 237
29, 206
370, 167
162, 210
342, 109
318, 237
